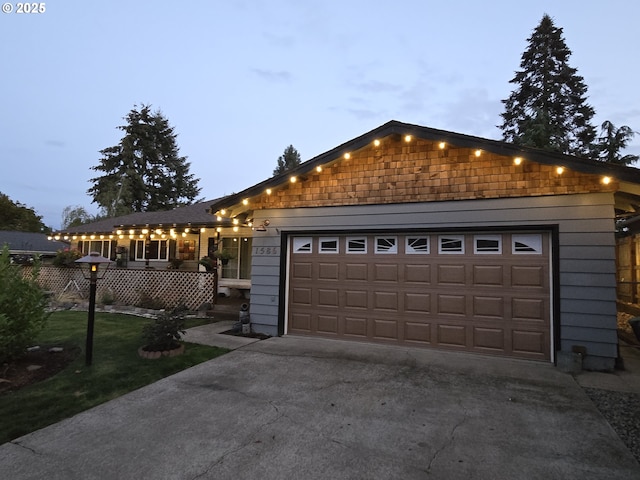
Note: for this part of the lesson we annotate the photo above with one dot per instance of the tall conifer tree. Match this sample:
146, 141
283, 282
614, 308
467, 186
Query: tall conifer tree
288, 160
549, 109
144, 172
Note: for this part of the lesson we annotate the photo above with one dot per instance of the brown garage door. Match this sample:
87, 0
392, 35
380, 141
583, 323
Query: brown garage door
480, 292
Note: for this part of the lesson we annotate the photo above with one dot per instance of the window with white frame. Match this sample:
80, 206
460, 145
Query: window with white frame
416, 245
487, 244
328, 245
451, 244
238, 267
103, 247
356, 244
523, 244
386, 245
302, 245
158, 250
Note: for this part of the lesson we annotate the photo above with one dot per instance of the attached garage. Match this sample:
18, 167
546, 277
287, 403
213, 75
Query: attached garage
420, 237
485, 292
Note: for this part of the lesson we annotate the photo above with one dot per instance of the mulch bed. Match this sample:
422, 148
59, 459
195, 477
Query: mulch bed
34, 367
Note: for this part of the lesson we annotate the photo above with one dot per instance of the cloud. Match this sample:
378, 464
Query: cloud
272, 75
283, 41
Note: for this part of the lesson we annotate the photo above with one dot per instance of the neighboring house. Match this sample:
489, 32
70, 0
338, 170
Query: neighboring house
414, 236
24, 246
176, 238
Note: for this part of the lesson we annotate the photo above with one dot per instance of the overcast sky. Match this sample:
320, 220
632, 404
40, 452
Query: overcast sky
241, 80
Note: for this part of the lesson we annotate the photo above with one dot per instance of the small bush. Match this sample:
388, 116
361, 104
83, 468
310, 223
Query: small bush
22, 307
107, 298
149, 302
66, 257
165, 331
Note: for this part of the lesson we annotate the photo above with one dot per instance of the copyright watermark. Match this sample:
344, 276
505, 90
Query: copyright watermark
33, 7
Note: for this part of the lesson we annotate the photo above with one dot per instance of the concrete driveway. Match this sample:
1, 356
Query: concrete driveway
298, 408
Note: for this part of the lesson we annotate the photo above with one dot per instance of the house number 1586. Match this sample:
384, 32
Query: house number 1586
265, 250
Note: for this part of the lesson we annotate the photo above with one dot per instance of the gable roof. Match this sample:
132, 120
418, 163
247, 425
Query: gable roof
189, 215
527, 154
30, 242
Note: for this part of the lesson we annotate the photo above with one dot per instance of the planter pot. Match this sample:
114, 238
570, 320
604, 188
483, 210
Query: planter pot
165, 353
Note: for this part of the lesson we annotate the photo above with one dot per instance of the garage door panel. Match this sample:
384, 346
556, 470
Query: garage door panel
356, 271
327, 297
356, 299
492, 297
451, 274
301, 296
529, 309
300, 322
302, 271
355, 326
385, 329
488, 275
420, 274
328, 271
452, 305
328, 324
452, 335
417, 302
386, 301
417, 332
529, 342
385, 273
489, 338
489, 307
528, 276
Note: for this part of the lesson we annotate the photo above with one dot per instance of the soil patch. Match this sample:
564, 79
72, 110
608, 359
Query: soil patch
35, 366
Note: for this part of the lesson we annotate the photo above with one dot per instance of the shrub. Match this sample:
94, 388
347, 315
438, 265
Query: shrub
107, 298
165, 331
66, 257
149, 302
22, 307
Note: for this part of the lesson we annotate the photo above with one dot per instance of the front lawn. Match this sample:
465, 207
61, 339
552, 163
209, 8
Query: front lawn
116, 370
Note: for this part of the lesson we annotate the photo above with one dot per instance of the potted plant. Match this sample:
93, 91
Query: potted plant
224, 256
208, 263
162, 335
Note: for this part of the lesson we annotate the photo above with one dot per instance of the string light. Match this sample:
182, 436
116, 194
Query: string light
560, 170
347, 156
223, 212
407, 138
441, 145
245, 201
517, 161
376, 142
478, 153
293, 179
268, 190
318, 169
606, 180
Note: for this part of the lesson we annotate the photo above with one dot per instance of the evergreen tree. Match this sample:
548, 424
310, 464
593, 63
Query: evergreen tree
288, 160
548, 109
144, 172
612, 140
19, 217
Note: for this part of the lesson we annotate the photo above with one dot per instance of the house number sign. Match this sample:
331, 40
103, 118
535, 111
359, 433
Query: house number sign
266, 251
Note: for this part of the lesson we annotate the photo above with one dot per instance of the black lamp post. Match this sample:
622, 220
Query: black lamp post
93, 267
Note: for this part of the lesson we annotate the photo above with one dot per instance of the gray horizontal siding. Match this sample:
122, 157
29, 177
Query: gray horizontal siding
585, 236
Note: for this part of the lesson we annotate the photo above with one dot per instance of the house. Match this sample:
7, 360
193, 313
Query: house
24, 246
176, 239
409, 235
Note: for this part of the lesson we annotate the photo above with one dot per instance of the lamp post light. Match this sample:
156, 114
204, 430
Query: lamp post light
93, 267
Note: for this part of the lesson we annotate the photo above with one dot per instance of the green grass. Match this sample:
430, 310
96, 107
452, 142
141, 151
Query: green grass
116, 370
